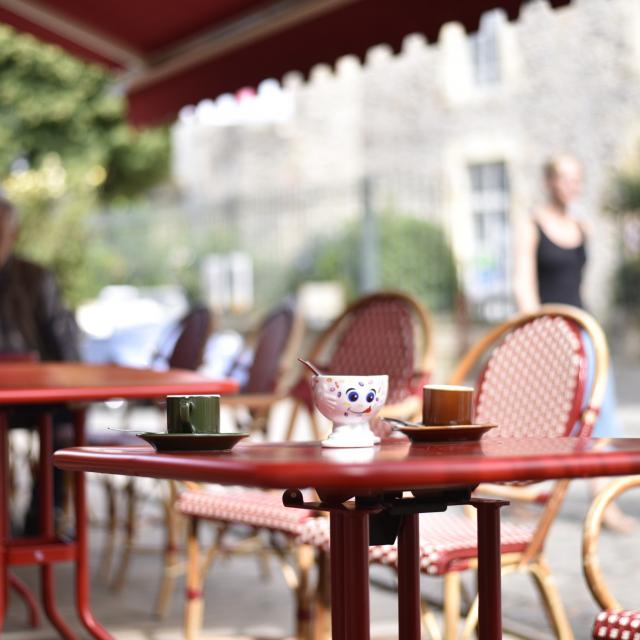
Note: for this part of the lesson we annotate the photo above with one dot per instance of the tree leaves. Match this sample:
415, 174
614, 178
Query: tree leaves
52, 102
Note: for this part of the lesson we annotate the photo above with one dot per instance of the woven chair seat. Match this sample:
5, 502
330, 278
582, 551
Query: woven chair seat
617, 624
252, 508
446, 542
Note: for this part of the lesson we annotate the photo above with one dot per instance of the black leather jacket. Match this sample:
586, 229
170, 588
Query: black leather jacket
33, 317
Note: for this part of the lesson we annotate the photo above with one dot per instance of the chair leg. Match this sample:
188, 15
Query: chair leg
315, 427
65, 523
108, 547
551, 599
429, 623
452, 586
172, 562
130, 534
292, 420
214, 550
322, 599
471, 621
264, 557
194, 608
305, 560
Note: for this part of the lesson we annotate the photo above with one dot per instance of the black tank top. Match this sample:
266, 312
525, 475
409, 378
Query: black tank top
559, 271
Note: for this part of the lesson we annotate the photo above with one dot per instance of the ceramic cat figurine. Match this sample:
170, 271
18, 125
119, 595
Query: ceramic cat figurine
350, 402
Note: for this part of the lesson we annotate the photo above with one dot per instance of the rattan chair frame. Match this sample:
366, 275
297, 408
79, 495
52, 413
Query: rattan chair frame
531, 560
593, 522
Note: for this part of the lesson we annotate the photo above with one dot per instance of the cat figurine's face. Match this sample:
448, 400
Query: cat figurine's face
349, 399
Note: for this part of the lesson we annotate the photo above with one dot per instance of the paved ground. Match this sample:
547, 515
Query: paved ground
240, 603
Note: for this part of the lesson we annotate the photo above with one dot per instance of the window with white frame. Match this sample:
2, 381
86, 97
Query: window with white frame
484, 49
488, 279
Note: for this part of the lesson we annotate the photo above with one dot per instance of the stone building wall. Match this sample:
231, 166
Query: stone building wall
569, 83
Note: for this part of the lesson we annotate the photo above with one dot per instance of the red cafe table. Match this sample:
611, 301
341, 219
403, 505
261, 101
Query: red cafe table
376, 477
42, 387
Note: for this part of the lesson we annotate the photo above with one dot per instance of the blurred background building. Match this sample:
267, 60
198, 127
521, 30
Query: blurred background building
409, 170
453, 133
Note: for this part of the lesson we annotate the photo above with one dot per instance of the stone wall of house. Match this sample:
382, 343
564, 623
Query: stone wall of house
570, 82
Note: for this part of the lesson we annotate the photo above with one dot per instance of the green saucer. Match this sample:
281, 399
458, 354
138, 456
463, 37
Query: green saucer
173, 442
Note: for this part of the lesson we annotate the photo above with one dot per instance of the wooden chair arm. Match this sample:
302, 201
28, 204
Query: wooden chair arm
405, 409
591, 535
530, 493
255, 401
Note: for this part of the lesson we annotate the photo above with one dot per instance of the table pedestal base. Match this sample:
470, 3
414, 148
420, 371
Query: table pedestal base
349, 556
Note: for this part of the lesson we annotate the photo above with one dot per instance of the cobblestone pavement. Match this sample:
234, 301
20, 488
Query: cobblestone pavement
241, 604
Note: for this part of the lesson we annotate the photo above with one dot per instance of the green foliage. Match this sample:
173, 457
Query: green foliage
627, 279
64, 148
137, 160
625, 194
51, 102
152, 247
52, 209
414, 256
624, 201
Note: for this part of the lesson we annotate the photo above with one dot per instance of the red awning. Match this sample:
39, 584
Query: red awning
173, 54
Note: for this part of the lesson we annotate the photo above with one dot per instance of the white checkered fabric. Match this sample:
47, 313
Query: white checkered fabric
253, 508
445, 539
530, 380
617, 624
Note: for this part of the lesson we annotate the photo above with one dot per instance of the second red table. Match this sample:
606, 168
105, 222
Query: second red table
45, 384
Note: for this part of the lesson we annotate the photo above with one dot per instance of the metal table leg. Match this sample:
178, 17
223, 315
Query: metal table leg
4, 515
409, 579
489, 569
82, 554
350, 575
47, 525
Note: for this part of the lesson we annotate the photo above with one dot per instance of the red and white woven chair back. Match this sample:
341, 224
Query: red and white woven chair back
617, 624
378, 337
534, 382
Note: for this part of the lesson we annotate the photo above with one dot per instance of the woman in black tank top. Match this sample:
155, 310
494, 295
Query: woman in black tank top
551, 255
550, 258
559, 270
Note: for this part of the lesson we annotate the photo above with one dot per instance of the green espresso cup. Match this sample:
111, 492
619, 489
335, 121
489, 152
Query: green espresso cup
193, 414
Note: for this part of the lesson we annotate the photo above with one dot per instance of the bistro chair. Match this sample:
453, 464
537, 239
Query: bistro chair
531, 374
614, 621
383, 332
274, 344
182, 348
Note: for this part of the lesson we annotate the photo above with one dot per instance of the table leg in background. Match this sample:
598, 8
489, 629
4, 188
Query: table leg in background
82, 553
489, 569
4, 515
409, 579
47, 524
350, 575
336, 558
20, 588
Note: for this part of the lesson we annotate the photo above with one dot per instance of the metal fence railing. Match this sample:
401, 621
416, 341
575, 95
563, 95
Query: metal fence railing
368, 233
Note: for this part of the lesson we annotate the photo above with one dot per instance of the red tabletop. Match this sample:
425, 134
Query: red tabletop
391, 466
46, 382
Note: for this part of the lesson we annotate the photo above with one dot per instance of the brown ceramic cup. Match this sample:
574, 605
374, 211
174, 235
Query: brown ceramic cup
447, 405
